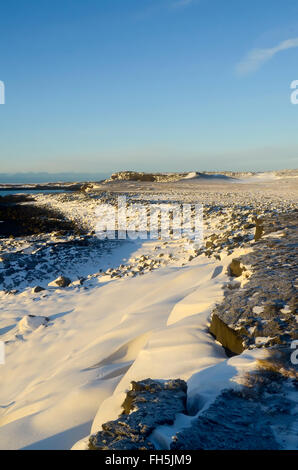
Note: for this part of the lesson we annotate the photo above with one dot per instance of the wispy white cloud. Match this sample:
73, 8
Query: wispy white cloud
257, 57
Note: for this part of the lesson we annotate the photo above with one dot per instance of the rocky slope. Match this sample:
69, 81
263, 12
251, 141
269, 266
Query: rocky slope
264, 311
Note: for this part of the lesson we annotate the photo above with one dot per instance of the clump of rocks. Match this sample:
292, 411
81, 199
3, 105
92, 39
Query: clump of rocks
241, 418
147, 405
263, 313
244, 418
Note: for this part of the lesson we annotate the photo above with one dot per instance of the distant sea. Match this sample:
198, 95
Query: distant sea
30, 191
35, 178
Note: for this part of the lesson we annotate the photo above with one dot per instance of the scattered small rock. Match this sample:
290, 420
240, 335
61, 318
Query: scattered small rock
37, 289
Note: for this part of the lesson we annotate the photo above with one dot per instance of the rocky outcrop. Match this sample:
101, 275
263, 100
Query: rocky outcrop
229, 338
247, 417
168, 177
263, 311
239, 419
147, 405
232, 422
149, 177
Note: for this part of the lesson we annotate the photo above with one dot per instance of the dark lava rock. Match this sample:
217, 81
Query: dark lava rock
149, 404
232, 422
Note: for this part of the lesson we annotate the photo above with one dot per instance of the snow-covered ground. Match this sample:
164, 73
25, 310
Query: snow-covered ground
146, 314
57, 375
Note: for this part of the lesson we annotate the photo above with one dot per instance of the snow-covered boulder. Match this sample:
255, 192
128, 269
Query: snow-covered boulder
30, 323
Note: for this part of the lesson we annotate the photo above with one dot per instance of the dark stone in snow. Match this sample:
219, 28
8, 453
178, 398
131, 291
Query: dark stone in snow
37, 289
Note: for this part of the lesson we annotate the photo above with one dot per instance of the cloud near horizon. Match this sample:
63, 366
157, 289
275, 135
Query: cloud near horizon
257, 57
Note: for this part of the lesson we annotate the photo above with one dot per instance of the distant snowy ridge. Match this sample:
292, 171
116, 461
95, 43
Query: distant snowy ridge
172, 177
161, 177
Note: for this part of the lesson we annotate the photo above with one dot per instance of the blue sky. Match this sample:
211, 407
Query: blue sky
153, 85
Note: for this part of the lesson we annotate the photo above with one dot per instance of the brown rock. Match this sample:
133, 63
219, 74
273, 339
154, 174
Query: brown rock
229, 338
235, 269
259, 230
